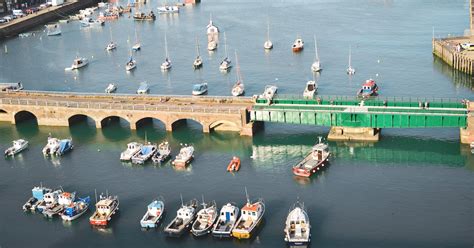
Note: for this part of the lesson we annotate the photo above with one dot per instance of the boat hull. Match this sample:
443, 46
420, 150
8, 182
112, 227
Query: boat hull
222, 235
151, 223
71, 218
309, 172
200, 233
246, 234
297, 49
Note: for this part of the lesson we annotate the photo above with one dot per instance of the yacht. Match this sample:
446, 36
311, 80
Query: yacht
316, 66
268, 45
111, 88
226, 63
239, 88
143, 88
212, 35
167, 64
79, 62
131, 64
310, 89
350, 70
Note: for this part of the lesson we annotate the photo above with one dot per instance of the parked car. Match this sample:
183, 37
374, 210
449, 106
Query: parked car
468, 46
2, 20
8, 18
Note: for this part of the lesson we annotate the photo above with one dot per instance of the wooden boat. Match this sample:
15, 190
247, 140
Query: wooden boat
226, 62
298, 45
75, 210
310, 89
226, 221
64, 199
297, 226
206, 217
369, 88
199, 89
234, 164
140, 16
51, 147
239, 88
65, 145
212, 35
163, 153
38, 193
132, 149
350, 70
250, 218
111, 88
316, 66
184, 217
198, 61
18, 146
143, 88
268, 45
105, 209
167, 64
145, 153
153, 214
186, 154
314, 161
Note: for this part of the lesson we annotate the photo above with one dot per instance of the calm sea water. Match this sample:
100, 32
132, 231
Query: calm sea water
414, 188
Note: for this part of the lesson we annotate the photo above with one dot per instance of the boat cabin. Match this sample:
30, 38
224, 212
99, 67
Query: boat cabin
51, 197
319, 151
39, 192
66, 198
228, 213
250, 213
105, 206
369, 87
155, 208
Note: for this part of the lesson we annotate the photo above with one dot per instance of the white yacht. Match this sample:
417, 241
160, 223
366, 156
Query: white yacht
316, 66
268, 43
297, 226
239, 88
226, 63
111, 88
132, 149
167, 64
79, 62
350, 70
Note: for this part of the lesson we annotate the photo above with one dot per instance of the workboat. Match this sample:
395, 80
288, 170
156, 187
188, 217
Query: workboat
64, 199
239, 88
53, 30
111, 88
310, 89
132, 149
212, 36
297, 226
51, 147
111, 46
369, 88
316, 66
76, 209
251, 216
269, 93
168, 9
314, 161
226, 221
350, 70
184, 217
298, 45
143, 88
206, 217
225, 65
234, 164
79, 62
131, 64
163, 153
167, 64
38, 193
18, 146
140, 16
65, 145
184, 157
153, 214
105, 208
199, 89
145, 153
198, 61
50, 199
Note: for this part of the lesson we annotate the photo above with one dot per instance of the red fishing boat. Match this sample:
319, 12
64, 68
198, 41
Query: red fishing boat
369, 88
106, 207
314, 161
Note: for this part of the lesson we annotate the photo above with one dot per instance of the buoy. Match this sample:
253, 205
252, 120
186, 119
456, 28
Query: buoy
92, 56
98, 150
378, 61
376, 74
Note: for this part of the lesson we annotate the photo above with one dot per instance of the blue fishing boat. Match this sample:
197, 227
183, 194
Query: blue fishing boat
76, 209
65, 145
153, 214
145, 153
37, 197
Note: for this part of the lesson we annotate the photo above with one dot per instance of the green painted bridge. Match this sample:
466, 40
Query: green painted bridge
362, 113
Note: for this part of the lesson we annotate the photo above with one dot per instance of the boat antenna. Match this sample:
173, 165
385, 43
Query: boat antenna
268, 28
247, 196
107, 193
61, 188
203, 202
316, 49
95, 193
350, 55
182, 203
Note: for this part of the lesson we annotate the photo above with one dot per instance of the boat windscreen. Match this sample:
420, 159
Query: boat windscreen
197, 87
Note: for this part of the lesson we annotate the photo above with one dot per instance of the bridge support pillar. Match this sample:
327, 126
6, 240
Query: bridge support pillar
250, 128
354, 133
98, 124
169, 126
205, 128
133, 125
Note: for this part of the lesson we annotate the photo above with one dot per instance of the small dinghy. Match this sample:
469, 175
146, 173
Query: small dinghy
184, 217
252, 215
111, 88
206, 217
145, 153
18, 146
64, 199
65, 145
310, 89
76, 209
163, 153
51, 147
199, 89
186, 154
131, 64
105, 208
297, 226
132, 149
38, 193
234, 164
226, 221
153, 214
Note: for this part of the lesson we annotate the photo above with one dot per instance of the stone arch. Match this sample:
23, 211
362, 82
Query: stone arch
150, 121
25, 115
3, 111
183, 121
77, 118
114, 119
224, 125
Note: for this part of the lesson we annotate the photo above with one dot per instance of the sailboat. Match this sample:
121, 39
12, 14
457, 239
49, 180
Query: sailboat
238, 89
137, 46
350, 70
198, 61
226, 63
131, 64
316, 66
167, 64
111, 46
268, 43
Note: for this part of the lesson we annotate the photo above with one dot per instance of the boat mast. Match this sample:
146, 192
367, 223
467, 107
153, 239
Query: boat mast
247, 196
110, 29
239, 76
182, 203
225, 46
316, 58
350, 55
268, 29
95, 193
166, 46
203, 202
197, 47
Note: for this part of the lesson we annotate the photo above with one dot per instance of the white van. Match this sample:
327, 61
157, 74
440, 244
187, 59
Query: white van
18, 12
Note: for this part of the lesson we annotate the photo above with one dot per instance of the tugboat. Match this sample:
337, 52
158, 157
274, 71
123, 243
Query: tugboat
314, 161
186, 154
104, 210
145, 153
206, 217
297, 226
65, 145
234, 164
252, 215
226, 222
163, 154
18, 146
184, 217
153, 214
51, 147
132, 149
76, 209
298, 45
369, 88
64, 199
38, 193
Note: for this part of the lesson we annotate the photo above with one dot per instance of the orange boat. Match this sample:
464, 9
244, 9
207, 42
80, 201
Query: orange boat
234, 164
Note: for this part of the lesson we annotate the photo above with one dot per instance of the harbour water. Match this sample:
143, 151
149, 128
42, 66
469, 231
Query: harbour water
414, 188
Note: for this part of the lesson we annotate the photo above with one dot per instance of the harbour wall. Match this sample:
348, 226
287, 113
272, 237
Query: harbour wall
445, 49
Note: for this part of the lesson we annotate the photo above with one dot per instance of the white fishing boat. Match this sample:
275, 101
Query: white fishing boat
350, 70
198, 61
53, 30
226, 221
186, 154
310, 89
111, 88
51, 147
250, 218
153, 214
199, 89
132, 149
64, 199
79, 62
206, 217
316, 66
239, 88
167, 64
18, 146
143, 88
226, 63
212, 35
131, 64
184, 217
168, 9
163, 153
38, 193
50, 199
297, 226
314, 161
269, 93
146, 152
268, 43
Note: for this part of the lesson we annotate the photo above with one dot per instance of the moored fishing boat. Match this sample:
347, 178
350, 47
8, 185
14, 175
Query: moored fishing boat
38, 193
234, 164
51, 147
145, 153
50, 199
314, 161
153, 214
163, 153
64, 199
111, 88
297, 226
298, 45
76, 209
206, 217
18, 146
199, 89
184, 157
369, 88
105, 208
53, 30
140, 16
132, 149
226, 221
65, 145
310, 89
79, 62
250, 218
184, 217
